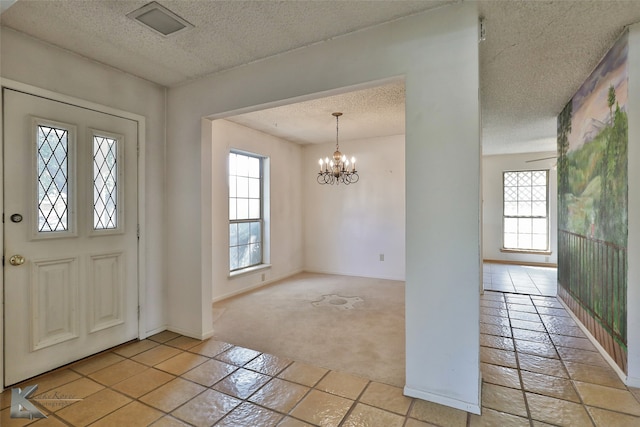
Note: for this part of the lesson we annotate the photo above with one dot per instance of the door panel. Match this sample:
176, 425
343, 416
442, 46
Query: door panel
71, 175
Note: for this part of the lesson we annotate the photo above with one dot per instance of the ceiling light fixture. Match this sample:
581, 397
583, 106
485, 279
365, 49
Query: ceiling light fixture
338, 170
160, 19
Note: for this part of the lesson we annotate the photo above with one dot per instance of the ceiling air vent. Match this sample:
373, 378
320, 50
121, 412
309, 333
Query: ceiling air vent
159, 19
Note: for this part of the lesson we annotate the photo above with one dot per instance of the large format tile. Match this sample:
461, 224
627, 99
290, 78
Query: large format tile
248, 414
135, 414
604, 418
542, 365
279, 395
93, 407
137, 347
605, 376
549, 386
365, 415
143, 382
268, 364
573, 342
536, 348
210, 372
500, 375
502, 343
491, 418
498, 330
117, 372
320, 408
386, 397
95, 363
495, 356
210, 348
342, 384
181, 363
206, 408
503, 399
242, 383
557, 412
304, 374
171, 395
582, 356
608, 398
438, 414
156, 355
238, 356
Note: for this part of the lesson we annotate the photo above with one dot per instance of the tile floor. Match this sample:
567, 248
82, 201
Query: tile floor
537, 365
520, 279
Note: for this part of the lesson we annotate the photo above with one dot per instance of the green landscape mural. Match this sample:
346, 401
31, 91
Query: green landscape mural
592, 194
592, 147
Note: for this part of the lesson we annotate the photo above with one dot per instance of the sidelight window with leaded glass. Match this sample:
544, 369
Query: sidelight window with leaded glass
526, 210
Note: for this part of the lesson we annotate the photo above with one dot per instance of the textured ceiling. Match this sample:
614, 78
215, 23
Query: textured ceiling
535, 56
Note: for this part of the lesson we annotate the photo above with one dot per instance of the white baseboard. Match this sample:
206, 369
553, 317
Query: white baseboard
206, 335
342, 273
254, 287
600, 348
474, 408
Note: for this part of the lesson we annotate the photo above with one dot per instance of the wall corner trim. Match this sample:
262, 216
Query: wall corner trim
473, 408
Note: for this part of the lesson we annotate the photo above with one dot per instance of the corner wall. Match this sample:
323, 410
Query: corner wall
633, 242
286, 176
492, 168
348, 227
437, 52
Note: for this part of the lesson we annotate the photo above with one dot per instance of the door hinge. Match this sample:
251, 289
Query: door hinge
138, 231
3, 260
138, 312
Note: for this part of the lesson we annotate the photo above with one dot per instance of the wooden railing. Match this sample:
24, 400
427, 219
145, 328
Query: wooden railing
594, 272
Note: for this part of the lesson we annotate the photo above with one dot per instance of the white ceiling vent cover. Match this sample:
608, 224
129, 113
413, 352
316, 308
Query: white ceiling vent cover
160, 19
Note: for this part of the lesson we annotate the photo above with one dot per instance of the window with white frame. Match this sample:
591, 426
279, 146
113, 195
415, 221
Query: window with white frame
246, 221
526, 210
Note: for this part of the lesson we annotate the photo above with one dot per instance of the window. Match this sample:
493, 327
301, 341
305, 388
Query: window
246, 221
526, 210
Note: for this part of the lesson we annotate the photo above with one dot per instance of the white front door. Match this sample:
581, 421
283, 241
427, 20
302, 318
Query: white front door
70, 222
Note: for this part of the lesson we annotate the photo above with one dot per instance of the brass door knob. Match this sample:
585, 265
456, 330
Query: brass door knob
16, 260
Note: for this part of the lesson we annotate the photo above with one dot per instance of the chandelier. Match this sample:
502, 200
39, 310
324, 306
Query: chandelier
337, 170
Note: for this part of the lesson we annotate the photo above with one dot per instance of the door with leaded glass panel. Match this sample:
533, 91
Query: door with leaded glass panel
70, 200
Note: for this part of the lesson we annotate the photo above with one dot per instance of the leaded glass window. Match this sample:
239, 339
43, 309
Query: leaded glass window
526, 210
53, 178
245, 210
105, 183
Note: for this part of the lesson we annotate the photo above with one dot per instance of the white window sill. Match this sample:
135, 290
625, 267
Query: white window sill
249, 270
525, 251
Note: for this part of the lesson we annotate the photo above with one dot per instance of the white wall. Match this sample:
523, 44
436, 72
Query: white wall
23, 60
70, 74
348, 227
285, 178
492, 168
633, 243
437, 53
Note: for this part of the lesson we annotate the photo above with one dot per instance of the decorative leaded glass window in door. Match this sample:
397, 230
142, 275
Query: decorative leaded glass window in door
105, 182
54, 170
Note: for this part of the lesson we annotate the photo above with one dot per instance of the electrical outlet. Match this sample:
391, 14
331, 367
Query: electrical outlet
263, 276
381, 257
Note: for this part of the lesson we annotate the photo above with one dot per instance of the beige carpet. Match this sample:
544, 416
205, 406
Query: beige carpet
349, 324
